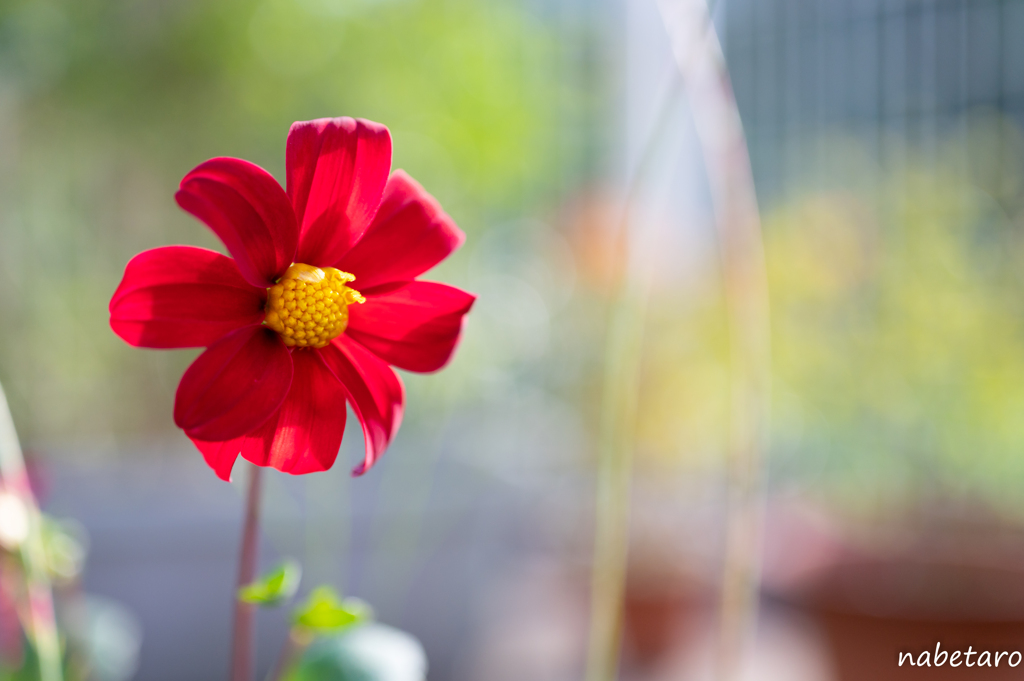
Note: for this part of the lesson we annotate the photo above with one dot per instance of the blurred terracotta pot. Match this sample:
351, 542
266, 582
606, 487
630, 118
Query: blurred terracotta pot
661, 606
945, 617
656, 621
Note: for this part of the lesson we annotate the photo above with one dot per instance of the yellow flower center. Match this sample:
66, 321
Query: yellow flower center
308, 305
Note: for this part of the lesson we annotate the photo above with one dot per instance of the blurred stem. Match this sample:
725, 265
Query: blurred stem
43, 627
242, 649
620, 395
621, 387
699, 57
614, 472
296, 642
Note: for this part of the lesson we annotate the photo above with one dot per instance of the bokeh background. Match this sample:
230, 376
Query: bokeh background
886, 144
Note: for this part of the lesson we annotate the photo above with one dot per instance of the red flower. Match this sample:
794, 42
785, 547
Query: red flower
288, 341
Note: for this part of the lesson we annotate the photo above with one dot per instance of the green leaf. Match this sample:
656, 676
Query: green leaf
274, 587
325, 612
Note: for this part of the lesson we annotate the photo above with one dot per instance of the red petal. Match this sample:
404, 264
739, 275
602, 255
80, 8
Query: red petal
305, 434
374, 391
410, 235
220, 456
337, 169
181, 297
234, 386
246, 207
413, 325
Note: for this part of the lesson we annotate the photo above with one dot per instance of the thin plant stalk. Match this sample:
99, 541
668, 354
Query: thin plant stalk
293, 648
621, 386
620, 396
614, 473
698, 55
43, 625
242, 648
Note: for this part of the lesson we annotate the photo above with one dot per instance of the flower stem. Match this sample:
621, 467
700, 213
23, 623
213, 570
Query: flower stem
242, 649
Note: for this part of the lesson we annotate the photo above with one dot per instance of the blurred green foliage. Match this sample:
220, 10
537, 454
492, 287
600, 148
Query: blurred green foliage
897, 302
899, 327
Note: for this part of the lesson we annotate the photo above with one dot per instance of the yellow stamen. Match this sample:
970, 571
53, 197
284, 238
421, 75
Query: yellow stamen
308, 305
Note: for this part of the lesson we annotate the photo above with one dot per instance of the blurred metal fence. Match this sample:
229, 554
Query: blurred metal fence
877, 69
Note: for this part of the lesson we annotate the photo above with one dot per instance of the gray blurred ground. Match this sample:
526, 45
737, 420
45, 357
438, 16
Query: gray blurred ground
164, 535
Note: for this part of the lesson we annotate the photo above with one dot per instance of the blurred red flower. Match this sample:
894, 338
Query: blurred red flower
287, 340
